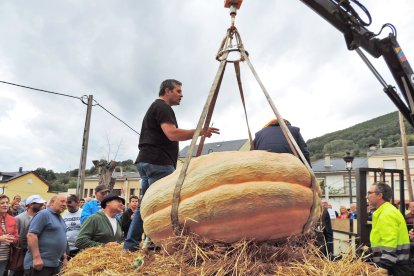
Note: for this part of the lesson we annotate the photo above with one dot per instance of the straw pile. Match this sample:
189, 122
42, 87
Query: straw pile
193, 256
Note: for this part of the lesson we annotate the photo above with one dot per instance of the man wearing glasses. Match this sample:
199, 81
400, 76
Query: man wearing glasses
389, 236
94, 205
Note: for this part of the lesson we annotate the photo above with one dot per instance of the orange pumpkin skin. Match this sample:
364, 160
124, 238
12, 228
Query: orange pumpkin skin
230, 196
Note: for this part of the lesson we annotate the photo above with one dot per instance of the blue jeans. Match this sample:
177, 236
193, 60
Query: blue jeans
149, 174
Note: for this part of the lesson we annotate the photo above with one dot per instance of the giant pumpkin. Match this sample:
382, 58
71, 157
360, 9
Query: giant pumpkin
230, 196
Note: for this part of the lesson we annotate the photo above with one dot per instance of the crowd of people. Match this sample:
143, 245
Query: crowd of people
42, 236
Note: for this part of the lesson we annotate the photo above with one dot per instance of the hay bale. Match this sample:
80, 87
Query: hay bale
194, 256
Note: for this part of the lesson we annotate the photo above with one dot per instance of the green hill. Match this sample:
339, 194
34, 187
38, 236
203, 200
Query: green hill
358, 138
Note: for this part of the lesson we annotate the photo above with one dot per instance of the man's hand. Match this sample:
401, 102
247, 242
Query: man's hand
38, 263
411, 234
209, 131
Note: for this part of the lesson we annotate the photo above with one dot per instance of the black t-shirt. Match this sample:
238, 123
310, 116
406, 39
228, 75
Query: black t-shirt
154, 146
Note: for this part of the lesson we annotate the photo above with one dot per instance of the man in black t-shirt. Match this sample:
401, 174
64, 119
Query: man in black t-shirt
158, 147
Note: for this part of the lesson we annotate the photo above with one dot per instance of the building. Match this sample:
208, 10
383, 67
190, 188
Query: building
393, 158
233, 145
126, 184
333, 177
25, 184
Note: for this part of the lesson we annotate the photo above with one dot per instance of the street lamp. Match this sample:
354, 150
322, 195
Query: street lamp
348, 162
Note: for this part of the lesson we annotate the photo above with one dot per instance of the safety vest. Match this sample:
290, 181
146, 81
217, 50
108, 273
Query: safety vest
389, 237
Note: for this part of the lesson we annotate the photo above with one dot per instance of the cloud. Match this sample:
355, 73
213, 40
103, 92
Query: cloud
119, 52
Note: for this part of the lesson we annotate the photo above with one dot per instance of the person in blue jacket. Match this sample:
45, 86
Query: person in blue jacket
94, 205
271, 138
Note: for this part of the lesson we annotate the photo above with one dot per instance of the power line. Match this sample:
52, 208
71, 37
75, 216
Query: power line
41, 90
66, 95
98, 104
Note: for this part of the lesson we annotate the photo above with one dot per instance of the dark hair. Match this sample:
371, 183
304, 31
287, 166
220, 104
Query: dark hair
168, 84
82, 199
73, 198
132, 197
384, 189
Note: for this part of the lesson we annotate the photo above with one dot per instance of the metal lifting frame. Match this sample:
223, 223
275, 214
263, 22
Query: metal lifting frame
205, 118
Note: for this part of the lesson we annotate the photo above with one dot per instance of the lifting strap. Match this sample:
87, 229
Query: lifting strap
237, 69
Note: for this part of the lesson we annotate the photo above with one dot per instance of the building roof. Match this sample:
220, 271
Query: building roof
118, 175
338, 164
389, 151
233, 145
9, 176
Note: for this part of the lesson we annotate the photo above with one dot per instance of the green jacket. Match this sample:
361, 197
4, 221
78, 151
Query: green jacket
96, 231
389, 239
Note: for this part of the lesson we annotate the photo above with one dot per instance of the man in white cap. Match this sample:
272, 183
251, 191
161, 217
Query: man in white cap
34, 204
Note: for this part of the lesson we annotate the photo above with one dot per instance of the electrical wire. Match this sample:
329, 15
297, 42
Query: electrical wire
83, 99
98, 104
41, 90
389, 25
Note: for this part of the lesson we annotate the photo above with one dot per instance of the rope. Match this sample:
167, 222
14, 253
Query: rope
237, 69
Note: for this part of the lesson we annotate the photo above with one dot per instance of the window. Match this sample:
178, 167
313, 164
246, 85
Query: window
131, 192
116, 191
390, 164
85, 193
90, 192
411, 163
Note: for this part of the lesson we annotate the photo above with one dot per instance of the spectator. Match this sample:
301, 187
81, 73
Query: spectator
330, 208
271, 138
34, 204
353, 211
14, 208
73, 224
8, 233
127, 216
409, 218
326, 243
46, 240
81, 202
343, 213
331, 212
20, 208
102, 228
389, 236
94, 205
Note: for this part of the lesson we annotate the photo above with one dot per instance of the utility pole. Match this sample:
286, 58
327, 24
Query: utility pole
84, 153
406, 160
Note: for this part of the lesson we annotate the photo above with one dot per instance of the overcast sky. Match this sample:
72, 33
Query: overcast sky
120, 51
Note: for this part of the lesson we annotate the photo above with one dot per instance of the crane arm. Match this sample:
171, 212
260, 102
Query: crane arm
343, 17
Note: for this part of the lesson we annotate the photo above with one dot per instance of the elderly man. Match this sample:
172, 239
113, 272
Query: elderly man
94, 205
389, 236
102, 228
47, 240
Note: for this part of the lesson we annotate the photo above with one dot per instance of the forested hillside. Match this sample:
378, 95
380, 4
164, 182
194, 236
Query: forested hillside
358, 138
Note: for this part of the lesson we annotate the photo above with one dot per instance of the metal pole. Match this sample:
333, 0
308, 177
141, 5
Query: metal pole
84, 152
350, 187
